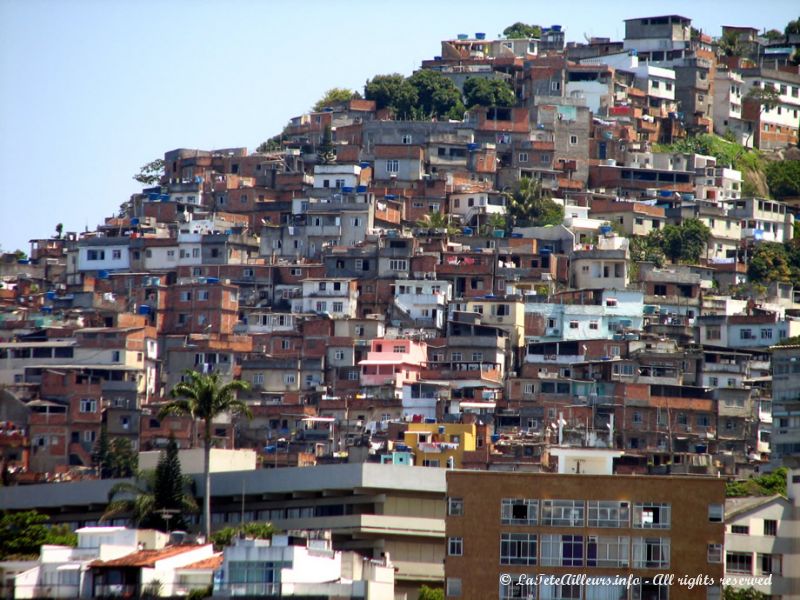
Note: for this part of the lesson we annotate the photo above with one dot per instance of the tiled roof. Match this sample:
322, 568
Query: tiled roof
213, 562
143, 558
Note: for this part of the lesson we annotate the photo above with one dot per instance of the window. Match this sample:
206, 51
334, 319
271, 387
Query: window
739, 562
95, 255
477, 356
565, 591
519, 511
562, 550
202, 295
563, 513
714, 553
258, 379
116, 254
338, 307
453, 586
518, 587
650, 553
289, 379
607, 551
523, 157
407, 139
608, 513
115, 355
88, 405
398, 264
740, 529
770, 527
573, 139
89, 437
517, 549
715, 513
651, 516
573, 324
338, 355
455, 546
656, 85
768, 564
392, 166
455, 507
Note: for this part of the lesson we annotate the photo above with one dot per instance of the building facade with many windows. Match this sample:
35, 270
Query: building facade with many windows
615, 526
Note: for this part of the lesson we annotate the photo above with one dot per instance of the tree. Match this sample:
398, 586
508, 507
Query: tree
529, 205
783, 179
730, 593
259, 530
138, 499
326, 153
334, 96
150, 173
768, 97
114, 458
23, 533
170, 487
522, 30
792, 27
437, 95
101, 457
205, 397
765, 485
59, 230
273, 144
393, 92
429, 593
488, 92
773, 35
769, 262
730, 44
685, 242
648, 248
436, 220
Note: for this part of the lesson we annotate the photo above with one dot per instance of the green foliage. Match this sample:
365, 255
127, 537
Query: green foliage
115, 458
429, 593
273, 144
783, 178
59, 230
200, 593
730, 593
171, 485
21, 254
680, 243
138, 499
150, 173
773, 35
771, 262
437, 95
767, 97
23, 533
530, 205
522, 30
479, 91
792, 27
728, 154
765, 485
260, 530
326, 153
647, 248
437, 220
335, 96
205, 397
392, 91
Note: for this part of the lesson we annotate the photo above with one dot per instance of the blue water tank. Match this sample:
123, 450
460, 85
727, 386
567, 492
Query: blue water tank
361, 189
498, 233
390, 196
555, 27
467, 230
463, 36
480, 36
605, 229
164, 197
50, 295
347, 189
153, 197
135, 221
665, 193
102, 275
144, 309
363, 165
495, 438
473, 147
516, 236
212, 279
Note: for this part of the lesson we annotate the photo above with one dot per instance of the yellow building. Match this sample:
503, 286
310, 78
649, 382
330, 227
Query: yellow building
435, 444
506, 313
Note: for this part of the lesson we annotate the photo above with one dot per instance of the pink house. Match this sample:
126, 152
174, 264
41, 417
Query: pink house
393, 363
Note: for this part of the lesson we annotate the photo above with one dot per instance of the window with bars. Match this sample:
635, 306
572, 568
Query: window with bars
517, 549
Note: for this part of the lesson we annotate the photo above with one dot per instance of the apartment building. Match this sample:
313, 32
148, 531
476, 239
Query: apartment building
594, 523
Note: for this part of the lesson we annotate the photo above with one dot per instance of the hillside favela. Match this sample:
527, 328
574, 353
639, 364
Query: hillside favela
519, 324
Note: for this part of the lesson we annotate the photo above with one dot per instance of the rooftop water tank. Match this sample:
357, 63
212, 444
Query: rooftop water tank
480, 36
462, 36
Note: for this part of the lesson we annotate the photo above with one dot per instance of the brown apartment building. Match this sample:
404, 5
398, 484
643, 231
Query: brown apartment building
501, 526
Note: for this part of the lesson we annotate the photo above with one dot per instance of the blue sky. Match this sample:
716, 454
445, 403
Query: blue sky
92, 89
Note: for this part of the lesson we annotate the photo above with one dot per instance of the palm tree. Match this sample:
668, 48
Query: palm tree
436, 220
138, 499
530, 205
205, 397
